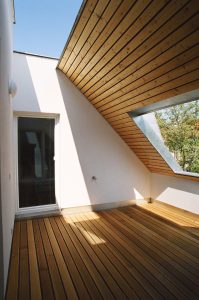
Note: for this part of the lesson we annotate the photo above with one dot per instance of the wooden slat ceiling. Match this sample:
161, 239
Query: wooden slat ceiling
123, 55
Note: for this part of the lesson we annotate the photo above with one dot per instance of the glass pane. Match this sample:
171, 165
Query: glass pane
36, 161
178, 126
174, 132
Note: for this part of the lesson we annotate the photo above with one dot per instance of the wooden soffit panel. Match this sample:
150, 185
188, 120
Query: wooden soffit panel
127, 54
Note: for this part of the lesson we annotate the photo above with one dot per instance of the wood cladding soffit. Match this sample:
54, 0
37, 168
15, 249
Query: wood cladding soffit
123, 55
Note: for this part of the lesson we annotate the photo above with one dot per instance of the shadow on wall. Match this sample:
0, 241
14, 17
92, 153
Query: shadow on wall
178, 192
111, 170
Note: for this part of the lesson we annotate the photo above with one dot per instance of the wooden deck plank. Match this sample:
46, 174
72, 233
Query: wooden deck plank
87, 278
119, 254
24, 274
132, 276
74, 273
154, 229
87, 260
178, 217
165, 258
152, 260
52, 265
175, 235
66, 279
111, 288
181, 212
178, 254
95, 240
12, 284
165, 216
140, 261
45, 279
35, 289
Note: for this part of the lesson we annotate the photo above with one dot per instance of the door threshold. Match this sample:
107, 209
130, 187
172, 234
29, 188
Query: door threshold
38, 211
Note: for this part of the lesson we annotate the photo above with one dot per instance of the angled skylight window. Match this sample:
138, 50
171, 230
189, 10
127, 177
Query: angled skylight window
174, 132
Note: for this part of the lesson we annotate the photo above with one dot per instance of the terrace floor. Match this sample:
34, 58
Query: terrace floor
139, 252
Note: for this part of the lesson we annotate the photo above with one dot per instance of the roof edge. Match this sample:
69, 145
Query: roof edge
73, 28
34, 54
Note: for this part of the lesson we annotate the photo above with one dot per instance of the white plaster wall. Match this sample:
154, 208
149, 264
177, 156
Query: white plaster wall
87, 145
178, 192
6, 165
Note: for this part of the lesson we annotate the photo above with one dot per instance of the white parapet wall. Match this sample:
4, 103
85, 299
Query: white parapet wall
178, 192
7, 205
93, 164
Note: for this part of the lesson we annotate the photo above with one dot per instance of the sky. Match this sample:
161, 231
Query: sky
43, 26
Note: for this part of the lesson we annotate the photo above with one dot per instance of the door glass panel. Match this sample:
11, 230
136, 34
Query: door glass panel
36, 161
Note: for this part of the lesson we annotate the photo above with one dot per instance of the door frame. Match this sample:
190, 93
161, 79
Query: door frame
40, 209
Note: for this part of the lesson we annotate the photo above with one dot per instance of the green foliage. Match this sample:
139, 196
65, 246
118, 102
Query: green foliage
179, 126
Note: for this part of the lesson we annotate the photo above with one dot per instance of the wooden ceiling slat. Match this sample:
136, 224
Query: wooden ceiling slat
122, 130
188, 76
127, 127
102, 24
160, 82
138, 46
115, 36
152, 154
113, 23
132, 54
158, 170
126, 119
85, 16
135, 146
124, 115
142, 140
165, 168
138, 79
131, 136
156, 56
183, 87
94, 18
156, 82
139, 143
177, 91
126, 130
153, 160
147, 153
110, 58
154, 163
123, 125
130, 133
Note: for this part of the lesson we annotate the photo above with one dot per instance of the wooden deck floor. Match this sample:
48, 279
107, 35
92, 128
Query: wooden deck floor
127, 253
